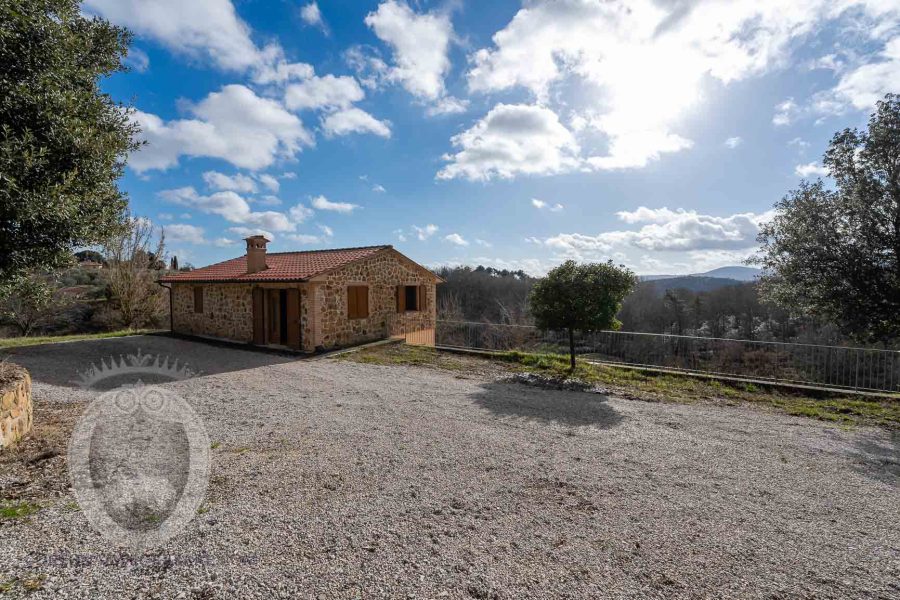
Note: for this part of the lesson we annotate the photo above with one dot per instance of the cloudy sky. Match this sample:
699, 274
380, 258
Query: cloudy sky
657, 133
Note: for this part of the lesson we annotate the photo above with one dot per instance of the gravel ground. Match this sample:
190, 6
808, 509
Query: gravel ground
333, 479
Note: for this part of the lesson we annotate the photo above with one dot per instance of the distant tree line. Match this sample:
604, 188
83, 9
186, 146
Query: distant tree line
729, 310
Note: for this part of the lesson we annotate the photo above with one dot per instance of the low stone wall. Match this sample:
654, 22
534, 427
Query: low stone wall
15, 404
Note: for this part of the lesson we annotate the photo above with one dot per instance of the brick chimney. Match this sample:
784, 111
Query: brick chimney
256, 253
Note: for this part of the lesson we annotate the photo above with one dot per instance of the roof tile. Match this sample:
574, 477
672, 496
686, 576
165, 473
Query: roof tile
282, 266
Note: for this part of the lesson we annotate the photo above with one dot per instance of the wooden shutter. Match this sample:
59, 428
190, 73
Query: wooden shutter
401, 298
259, 327
293, 318
351, 301
357, 301
363, 298
198, 299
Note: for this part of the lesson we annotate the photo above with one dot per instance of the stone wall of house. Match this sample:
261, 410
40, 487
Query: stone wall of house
15, 406
382, 274
227, 311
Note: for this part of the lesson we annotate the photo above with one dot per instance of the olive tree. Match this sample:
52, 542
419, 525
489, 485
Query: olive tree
833, 253
582, 297
63, 142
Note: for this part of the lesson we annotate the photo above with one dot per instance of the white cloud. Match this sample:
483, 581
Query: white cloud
246, 232
484, 243
624, 53
267, 200
455, 238
323, 203
863, 86
202, 30
649, 215
183, 233
354, 120
810, 169
734, 142
137, 60
288, 175
236, 183
419, 43
667, 230
207, 29
224, 242
233, 124
312, 16
230, 206
401, 236
540, 205
785, 112
378, 188
423, 233
270, 182
370, 69
447, 106
328, 92
300, 213
512, 139
165, 216
306, 238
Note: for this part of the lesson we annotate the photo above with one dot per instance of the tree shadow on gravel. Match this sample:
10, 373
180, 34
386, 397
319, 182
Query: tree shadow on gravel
573, 409
879, 457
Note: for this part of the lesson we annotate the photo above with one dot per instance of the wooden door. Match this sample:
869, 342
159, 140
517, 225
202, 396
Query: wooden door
273, 328
293, 318
259, 317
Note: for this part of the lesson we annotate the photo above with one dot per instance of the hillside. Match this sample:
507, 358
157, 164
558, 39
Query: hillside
694, 283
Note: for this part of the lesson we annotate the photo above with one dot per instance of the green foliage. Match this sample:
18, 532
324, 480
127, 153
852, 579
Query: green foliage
835, 253
580, 297
29, 302
17, 510
63, 143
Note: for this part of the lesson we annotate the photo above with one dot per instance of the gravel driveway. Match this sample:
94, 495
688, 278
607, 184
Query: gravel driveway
332, 479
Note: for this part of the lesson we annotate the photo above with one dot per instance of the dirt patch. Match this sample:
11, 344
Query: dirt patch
35, 469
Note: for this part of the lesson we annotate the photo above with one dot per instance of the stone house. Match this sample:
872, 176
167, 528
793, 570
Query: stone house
306, 301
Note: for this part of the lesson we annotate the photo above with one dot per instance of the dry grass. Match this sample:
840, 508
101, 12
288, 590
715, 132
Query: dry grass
19, 342
846, 409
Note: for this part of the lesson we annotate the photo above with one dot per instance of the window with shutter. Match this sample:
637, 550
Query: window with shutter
357, 301
198, 299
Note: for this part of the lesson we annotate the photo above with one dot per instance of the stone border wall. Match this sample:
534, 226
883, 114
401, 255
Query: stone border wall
15, 407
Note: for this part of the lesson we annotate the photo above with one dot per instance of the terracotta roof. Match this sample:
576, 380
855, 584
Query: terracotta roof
282, 266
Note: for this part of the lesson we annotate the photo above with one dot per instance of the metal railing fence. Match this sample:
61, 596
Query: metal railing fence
868, 369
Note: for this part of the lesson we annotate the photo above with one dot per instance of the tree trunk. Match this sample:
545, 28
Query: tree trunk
571, 349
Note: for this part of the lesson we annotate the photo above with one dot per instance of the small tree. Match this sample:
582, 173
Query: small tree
580, 297
834, 254
30, 301
133, 273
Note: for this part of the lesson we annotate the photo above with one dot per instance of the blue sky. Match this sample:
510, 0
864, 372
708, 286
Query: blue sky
658, 133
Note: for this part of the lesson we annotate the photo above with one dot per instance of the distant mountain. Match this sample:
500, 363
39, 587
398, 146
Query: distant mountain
739, 273
694, 283
734, 273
